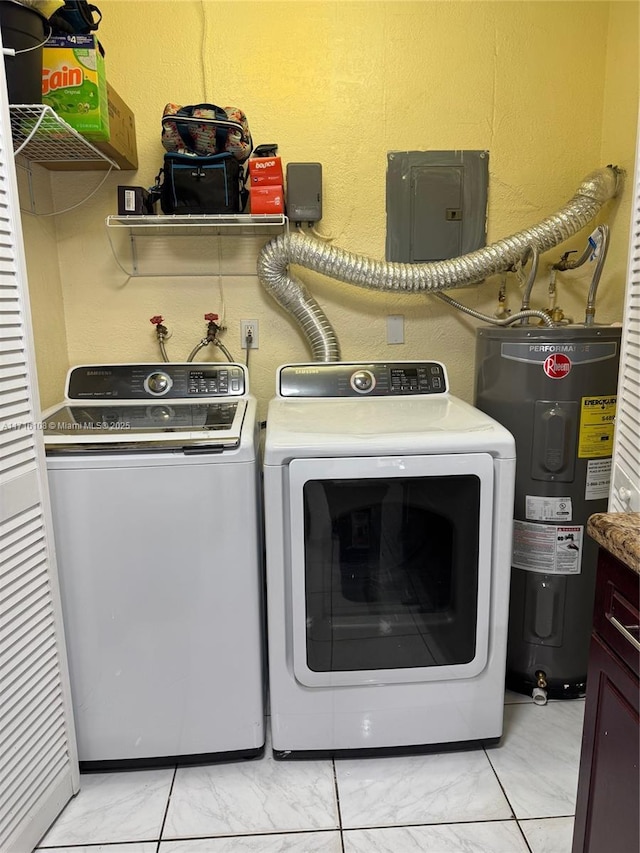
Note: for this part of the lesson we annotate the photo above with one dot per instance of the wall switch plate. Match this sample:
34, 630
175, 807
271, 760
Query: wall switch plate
246, 327
395, 329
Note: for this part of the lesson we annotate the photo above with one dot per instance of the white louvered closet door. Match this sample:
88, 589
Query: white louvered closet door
38, 759
625, 480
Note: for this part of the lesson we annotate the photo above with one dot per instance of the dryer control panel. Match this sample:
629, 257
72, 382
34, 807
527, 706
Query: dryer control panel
165, 380
366, 379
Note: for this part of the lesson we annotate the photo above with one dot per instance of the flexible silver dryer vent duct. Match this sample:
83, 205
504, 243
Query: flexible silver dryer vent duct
292, 295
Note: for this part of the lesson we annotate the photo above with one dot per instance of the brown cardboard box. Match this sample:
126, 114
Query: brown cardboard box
121, 146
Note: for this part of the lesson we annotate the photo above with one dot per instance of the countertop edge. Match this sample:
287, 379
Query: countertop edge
619, 533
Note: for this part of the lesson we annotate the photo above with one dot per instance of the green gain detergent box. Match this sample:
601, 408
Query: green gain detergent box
74, 84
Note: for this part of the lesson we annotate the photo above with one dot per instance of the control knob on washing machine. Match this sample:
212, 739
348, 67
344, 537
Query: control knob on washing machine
157, 383
363, 381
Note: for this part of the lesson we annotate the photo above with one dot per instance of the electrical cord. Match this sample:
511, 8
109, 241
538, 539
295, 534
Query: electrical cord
248, 341
223, 307
327, 237
73, 206
204, 48
8, 51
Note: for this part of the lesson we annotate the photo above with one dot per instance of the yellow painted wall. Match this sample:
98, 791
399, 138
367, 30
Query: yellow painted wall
549, 88
45, 288
619, 127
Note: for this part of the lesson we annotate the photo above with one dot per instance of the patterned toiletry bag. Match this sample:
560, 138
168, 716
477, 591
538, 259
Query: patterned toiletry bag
206, 129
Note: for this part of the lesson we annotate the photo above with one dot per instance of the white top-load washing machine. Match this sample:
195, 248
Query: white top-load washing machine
154, 479
388, 516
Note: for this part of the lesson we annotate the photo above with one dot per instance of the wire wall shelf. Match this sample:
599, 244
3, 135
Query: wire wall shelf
200, 245
168, 224
41, 136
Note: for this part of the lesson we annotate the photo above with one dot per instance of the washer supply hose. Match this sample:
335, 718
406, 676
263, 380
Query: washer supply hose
521, 315
597, 247
277, 256
194, 352
590, 312
226, 352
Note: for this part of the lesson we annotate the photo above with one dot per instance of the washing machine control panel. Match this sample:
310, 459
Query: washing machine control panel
370, 379
148, 381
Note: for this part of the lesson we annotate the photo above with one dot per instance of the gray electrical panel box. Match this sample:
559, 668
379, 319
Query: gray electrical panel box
304, 192
436, 204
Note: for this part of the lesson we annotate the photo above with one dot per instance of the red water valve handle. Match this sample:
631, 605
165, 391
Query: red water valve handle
211, 318
156, 320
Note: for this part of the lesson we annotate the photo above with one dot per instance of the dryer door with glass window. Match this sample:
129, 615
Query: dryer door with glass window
390, 568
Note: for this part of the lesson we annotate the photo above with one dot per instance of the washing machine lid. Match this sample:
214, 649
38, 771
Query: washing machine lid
380, 426
166, 424
149, 405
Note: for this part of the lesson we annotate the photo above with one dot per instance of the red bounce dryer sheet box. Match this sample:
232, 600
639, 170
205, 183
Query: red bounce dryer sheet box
266, 171
266, 199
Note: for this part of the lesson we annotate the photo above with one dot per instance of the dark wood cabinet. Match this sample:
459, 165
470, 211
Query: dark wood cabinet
608, 802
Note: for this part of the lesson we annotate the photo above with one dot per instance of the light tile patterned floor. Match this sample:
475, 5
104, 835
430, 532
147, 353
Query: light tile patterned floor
518, 797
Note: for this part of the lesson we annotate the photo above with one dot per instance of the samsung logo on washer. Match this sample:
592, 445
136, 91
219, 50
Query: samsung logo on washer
98, 373
306, 370
552, 348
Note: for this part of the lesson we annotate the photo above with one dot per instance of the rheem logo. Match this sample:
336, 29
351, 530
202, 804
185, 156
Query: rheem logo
557, 366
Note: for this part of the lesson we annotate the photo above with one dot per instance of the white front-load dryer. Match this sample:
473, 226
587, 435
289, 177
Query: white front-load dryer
388, 506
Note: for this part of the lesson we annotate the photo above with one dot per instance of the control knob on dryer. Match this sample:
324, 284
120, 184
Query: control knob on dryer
363, 381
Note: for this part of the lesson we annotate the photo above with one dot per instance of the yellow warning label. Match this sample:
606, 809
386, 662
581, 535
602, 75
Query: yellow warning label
597, 418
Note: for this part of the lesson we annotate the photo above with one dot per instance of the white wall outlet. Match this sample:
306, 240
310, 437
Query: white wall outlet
249, 334
395, 329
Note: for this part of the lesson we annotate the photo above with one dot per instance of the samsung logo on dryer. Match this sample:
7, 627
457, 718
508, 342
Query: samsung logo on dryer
301, 370
98, 373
